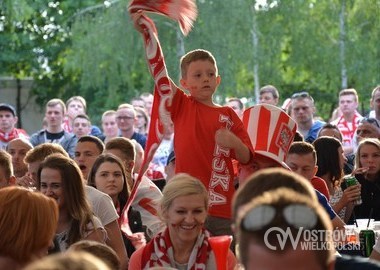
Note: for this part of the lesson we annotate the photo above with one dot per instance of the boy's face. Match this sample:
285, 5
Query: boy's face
302, 164
201, 80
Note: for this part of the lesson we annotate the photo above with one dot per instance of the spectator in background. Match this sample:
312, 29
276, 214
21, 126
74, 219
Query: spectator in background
81, 125
138, 102
237, 105
54, 133
142, 121
269, 95
375, 104
367, 128
331, 130
109, 126
148, 194
330, 161
8, 121
18, 148
6, 170
74, 106
302, 159
108, 175
148, 99
303, 109
349, 120
126, 119
170, 167
157, 165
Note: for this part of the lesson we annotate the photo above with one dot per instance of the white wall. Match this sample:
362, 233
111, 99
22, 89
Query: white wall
31, 115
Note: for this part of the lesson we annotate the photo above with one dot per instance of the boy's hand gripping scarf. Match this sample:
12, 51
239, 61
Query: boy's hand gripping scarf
185, 12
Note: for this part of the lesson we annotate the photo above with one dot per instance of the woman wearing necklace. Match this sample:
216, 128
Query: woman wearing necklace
184, 244
367, 172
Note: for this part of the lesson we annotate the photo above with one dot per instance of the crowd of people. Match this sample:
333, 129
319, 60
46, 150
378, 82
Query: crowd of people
219, 170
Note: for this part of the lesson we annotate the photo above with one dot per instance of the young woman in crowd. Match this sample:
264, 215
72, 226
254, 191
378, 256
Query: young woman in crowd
367, 172
28, 221
60, 178
330, 162
108, 175
184, 244
142, 122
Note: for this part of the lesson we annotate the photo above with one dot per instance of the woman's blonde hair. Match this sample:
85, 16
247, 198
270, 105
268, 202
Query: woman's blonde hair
28, 222
181, 185
368, 141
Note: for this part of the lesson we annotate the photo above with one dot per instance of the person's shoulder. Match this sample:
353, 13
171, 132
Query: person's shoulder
354, 262
135, 259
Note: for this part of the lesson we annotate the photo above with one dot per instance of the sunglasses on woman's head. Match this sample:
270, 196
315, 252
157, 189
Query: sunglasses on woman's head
295, 215
370, 120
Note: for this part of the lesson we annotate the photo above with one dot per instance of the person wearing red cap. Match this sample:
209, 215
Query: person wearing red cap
8, 121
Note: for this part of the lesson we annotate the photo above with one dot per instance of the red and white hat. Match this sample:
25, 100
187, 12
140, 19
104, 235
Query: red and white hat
271, 131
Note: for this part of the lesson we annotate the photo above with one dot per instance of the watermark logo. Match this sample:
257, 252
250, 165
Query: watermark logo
307, 239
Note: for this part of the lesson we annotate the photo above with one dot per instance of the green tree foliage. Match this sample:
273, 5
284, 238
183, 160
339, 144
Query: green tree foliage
90, 48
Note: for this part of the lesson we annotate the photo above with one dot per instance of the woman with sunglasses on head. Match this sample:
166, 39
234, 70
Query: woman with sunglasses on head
184, 244
330, 162
367, 172
108, 175
60, 178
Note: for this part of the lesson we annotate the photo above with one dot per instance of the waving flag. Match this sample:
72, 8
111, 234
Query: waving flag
185, 12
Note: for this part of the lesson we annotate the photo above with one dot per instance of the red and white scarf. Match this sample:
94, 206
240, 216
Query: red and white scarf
159, 252
185, 12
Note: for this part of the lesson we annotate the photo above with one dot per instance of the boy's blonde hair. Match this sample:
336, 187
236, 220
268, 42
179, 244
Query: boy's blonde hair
196, 55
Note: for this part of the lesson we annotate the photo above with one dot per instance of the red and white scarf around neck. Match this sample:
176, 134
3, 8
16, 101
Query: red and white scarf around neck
159, 252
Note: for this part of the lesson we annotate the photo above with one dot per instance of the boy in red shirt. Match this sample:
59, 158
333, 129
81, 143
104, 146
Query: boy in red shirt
207, 136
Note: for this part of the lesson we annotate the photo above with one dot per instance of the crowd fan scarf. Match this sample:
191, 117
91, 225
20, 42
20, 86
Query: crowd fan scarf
15, 133
159, 252
185, 12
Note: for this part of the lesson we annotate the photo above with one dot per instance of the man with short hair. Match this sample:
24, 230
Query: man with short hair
269, 95
237, 105
54, 133
349, 120
18, 148
6, 170
8, 121
81, 125
303, 109
302, 159
126, 119
87, 150
148, 100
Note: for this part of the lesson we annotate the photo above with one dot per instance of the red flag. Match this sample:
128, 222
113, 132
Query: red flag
185, 12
